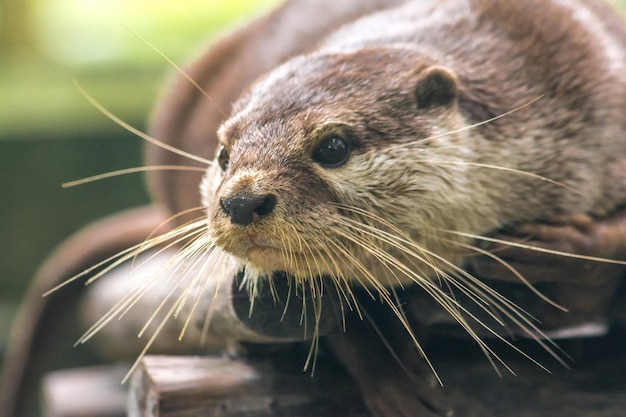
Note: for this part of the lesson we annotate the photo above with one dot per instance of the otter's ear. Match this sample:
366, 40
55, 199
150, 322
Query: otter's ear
436, 86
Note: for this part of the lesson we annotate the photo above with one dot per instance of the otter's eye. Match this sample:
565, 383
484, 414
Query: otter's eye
332, 152
223, 158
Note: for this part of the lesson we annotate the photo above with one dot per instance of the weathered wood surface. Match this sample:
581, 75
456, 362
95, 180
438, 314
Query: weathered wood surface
195, 386
595, 386
169, 386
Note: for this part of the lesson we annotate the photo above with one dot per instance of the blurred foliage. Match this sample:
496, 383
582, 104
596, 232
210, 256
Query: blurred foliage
46, 44
93, 32
93, 43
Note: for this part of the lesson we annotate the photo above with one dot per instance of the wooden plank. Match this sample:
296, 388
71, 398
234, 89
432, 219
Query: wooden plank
169, 386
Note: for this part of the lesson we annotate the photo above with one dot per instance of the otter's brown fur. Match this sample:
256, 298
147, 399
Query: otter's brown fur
403, 86
409, 90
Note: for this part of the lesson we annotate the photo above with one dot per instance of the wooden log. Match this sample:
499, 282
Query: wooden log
169, 386
85, 392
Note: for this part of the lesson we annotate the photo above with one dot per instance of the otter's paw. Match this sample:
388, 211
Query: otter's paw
571, 249
580, 257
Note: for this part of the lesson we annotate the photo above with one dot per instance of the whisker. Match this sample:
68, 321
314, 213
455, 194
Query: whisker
384, 294
192, 255
122, 255
455, 309
192, 227
174, 236
198, 220
153, 242
147, 346
502, 168
138, 132
126, 171
332, 272
515, 314
517, 275
469, 127
536, 248
337, 280
209, 315
206, 253
179, 70
114, 260
460, 270
122, 307
450, 304
185, 261
387, 344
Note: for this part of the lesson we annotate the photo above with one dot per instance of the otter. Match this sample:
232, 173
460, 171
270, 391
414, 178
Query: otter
385, 146
378, 158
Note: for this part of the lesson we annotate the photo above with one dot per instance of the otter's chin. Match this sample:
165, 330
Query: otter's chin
271, 259
264, 257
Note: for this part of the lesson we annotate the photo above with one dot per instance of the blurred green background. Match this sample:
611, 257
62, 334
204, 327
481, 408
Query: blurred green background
50, 134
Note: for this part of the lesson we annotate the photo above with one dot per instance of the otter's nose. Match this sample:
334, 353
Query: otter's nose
245, 209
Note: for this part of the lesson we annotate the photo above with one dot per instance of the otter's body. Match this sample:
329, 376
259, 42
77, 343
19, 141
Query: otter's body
403, 89
381, 153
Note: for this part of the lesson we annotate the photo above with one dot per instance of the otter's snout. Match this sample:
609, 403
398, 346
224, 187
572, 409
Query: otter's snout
245, 209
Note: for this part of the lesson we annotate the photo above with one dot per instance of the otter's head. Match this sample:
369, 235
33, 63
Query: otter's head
328, 166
